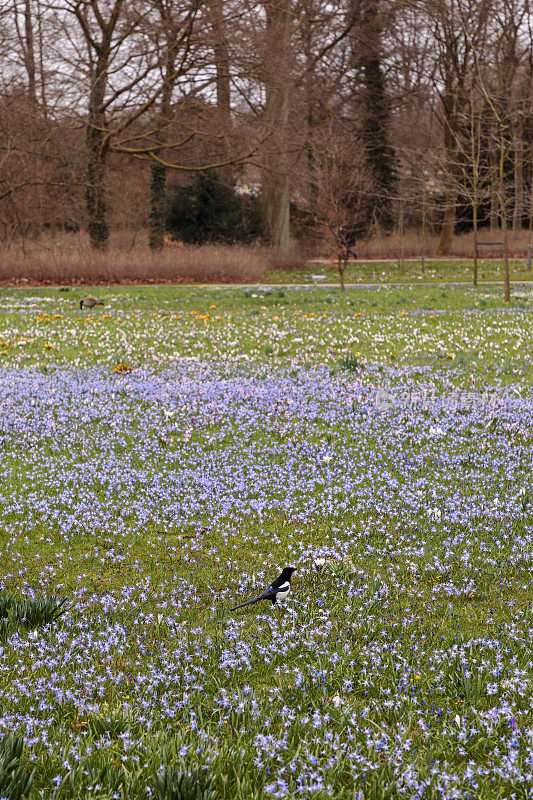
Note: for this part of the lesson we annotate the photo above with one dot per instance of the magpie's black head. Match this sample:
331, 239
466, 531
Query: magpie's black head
287, 572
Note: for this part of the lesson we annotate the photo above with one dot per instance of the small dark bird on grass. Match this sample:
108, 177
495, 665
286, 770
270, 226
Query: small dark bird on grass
90, 302
278, 590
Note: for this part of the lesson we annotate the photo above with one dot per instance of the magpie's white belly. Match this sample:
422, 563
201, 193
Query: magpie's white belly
282, 592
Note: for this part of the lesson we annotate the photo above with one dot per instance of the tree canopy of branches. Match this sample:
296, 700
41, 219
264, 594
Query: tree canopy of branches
426, 104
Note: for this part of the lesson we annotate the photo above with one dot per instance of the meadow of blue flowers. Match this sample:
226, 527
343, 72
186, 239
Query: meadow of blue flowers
163, 459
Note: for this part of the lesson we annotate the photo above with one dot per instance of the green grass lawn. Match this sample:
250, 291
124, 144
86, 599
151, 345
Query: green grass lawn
159, 326
434, 271
163, 459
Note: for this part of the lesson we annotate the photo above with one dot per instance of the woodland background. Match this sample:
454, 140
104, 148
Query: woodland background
395, 118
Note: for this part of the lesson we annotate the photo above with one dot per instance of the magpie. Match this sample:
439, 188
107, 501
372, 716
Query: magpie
278, 590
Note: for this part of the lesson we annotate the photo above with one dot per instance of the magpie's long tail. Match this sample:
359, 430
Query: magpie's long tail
248, 603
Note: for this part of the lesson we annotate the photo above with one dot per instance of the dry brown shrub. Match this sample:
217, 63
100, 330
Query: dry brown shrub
462, 246
68, 259
294, 258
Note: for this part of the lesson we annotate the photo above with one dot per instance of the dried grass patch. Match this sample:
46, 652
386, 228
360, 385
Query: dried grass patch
69, 260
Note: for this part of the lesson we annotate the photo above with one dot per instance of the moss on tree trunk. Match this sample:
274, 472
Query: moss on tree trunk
157, 206
96, 202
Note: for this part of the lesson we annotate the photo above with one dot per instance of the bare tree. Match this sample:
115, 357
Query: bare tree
460, 30
101, 38
190, 85
344, 184
121, 87
470, 176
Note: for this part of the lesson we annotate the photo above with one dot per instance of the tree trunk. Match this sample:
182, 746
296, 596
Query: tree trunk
275, 188
95, 197
381, 157
518, 166
158, 172
29, 54
311, 126
95, 186
506, 270
275, 202
444, 247
450, 102
424, 226
375, 124
401, 258
341, 266
223, 85
494, 200
42, 71
503, 215
158, 181
475, 226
